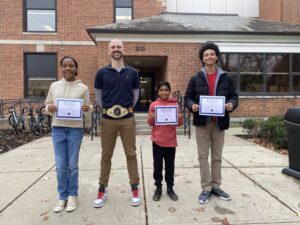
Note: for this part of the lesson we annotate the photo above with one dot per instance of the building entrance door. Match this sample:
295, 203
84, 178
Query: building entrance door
147, 94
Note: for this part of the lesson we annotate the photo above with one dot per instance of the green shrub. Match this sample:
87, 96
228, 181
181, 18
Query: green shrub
274, 130
252, 126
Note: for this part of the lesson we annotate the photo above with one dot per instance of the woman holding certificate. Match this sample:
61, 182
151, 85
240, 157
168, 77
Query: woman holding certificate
211, 96
67, 99
164, 117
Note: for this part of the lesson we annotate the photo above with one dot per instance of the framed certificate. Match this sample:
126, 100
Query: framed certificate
69, 109
212, 105
166, 115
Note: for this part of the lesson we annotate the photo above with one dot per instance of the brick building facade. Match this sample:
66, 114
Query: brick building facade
156, 60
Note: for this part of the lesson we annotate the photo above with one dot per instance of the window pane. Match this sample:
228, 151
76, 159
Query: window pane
123, 14
251, 82
277, 68
40, 4
251, 63
296, 82
229, 62
251, 72
41, 20
277, 63
38, 88
296, 63
278, 83
41, 66
124, 3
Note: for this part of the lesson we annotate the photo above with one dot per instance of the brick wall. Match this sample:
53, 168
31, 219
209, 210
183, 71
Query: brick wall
264, 107
280, 10
72, 19
146, 8
12, 61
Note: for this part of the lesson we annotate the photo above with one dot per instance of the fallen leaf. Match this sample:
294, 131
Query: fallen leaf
225, 221
201, 209
171, 209
44, 213
45, 218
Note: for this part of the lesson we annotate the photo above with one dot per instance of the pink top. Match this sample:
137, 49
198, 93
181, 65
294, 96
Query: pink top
164, 135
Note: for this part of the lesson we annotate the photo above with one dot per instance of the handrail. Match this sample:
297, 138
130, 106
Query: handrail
185, 113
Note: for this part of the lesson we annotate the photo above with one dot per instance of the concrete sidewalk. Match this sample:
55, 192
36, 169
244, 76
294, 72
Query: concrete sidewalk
261, 194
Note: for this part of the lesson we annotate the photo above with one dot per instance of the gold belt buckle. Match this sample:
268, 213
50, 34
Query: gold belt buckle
116, 111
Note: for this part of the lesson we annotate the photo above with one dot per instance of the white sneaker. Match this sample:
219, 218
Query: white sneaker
136, 198
72, 203
100, 200
60, 205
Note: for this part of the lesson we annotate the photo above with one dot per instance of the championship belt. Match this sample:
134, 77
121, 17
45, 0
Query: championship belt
117, 111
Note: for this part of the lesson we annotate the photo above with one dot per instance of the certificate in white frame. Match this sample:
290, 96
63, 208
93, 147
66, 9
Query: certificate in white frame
166, 115
212, 105
69, 109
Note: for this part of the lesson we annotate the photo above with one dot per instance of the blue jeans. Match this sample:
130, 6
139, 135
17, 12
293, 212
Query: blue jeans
66, 143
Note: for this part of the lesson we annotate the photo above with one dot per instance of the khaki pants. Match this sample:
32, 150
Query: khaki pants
109, 133
210, 137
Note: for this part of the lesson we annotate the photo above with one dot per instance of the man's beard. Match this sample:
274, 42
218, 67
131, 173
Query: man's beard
120, 55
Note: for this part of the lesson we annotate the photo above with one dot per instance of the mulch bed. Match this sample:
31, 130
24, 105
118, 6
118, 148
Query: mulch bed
262, 142
10, 140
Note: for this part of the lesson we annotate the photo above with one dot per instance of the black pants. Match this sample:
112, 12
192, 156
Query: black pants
168, 155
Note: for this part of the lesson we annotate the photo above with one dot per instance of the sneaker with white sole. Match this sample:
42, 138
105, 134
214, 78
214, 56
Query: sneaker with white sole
221, 194
204, 196
60, 206
72, 203
136, 199
102, 196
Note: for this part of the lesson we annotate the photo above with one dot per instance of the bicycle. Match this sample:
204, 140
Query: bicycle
38, 122
16, 122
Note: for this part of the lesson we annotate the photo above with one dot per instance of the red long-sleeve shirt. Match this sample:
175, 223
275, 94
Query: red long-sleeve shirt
164, 135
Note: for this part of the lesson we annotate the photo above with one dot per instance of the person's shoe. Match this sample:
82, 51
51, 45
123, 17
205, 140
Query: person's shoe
72, 203
157, 194
221, 194
136, 199
60, 205
204, 196
172, 194
102, 196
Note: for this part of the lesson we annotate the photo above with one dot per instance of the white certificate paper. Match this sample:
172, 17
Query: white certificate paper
166, 115
69, 109
212, 105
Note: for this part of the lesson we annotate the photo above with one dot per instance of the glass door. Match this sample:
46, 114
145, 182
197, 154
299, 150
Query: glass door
147, 94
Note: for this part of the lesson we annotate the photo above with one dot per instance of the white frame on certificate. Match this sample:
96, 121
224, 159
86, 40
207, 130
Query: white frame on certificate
202, 113
62, 117
169, 122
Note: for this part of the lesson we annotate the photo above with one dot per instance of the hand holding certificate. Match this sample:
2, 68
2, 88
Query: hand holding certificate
69, 109
166, 115
212, 105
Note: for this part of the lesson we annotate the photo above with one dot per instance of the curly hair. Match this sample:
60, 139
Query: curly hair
209, 45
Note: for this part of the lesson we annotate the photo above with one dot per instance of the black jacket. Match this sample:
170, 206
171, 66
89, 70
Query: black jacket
198, 85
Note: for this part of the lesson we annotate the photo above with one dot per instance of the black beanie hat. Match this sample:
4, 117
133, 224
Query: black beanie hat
209, 45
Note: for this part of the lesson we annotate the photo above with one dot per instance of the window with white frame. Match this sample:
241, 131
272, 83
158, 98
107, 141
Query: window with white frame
123, 10
40, 72
40, 15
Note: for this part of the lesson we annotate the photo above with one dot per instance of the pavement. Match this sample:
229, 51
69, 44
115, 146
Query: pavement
261, 194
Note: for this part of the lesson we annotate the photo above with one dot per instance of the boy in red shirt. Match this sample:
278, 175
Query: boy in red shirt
164, 142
